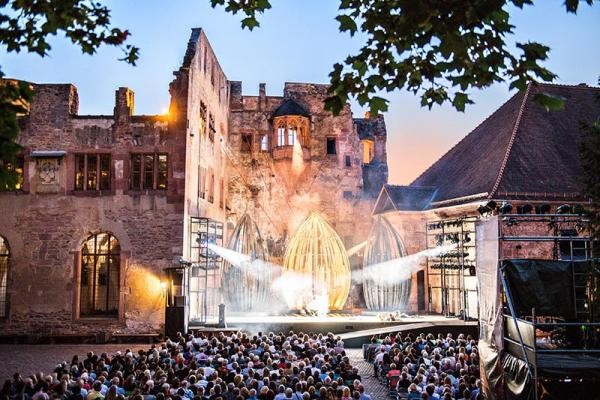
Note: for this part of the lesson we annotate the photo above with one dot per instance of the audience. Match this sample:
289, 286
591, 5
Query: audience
217, 366
426, 366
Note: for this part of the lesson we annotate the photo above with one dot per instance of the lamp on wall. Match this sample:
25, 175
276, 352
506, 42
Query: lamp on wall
564, 209
488, 208
505, 208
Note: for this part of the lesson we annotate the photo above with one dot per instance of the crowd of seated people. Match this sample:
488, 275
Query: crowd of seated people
427, 367
234, 366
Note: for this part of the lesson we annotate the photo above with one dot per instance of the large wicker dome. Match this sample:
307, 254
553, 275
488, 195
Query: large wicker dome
316, 251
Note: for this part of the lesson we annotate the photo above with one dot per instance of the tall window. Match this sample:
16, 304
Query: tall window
16, 167
4, 256
368, 151
264, 143
92, 172
100, 276
211, 187
292, 131
149, 171
331, 148
281, 136
203, 112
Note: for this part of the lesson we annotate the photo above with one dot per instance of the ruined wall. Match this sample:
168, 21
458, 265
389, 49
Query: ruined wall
48, 221
200, 94
279, 192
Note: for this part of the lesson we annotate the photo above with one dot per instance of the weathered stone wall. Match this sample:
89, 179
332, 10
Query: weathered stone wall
48, 221
280, 192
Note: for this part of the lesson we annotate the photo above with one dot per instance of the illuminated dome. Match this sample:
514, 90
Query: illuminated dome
384, 244
245, 288
317, 252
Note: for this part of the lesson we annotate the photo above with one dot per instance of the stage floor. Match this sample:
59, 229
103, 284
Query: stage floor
358, 327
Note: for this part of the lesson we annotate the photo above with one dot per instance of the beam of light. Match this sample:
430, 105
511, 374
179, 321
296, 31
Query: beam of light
297, 157
400, 269
294, 287
355, 249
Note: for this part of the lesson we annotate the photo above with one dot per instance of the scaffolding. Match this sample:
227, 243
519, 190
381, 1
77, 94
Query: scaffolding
451, 274
204, 275
545, 344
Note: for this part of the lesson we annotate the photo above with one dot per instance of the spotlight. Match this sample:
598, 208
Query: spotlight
467, 238
543, 209
488, 208
505, 208
510, 221
579, 210
564, 209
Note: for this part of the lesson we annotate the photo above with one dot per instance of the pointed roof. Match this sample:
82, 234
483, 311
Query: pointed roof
520, 149
405, 198
290, 107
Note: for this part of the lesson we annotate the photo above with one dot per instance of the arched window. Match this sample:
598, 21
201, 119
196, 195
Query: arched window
100, 276
4, 256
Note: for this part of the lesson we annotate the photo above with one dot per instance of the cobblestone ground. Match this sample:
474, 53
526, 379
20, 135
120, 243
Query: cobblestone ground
372, 385
29, 359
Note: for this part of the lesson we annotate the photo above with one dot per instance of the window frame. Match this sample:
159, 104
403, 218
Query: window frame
140, 185
329, 139
118, 314
4, 310
97, 177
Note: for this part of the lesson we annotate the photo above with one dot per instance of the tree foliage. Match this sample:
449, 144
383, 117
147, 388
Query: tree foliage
27, 25
437, 49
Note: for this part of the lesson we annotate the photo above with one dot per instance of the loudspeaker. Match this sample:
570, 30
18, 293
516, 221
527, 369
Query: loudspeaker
175, 321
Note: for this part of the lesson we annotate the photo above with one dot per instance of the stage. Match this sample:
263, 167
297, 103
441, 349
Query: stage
354, 329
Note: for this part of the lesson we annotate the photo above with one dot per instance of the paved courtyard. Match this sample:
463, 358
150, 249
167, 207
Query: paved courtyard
29, 359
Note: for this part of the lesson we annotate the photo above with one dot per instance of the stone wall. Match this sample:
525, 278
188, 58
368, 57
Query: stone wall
48, 221
280, 192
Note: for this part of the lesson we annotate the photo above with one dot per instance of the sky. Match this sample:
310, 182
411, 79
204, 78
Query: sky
298, 41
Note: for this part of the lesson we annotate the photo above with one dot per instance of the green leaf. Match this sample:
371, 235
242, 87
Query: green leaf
549, 102
377, 105
250, 23
460, 100
347, 24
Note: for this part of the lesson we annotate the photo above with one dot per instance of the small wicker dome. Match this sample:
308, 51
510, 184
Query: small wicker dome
246, 287
384, 244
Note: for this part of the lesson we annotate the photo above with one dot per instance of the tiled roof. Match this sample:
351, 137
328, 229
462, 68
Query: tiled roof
520, 148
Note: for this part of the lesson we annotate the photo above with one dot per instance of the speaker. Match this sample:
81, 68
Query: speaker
175, 321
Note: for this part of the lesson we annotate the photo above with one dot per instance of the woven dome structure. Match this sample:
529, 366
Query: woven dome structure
384, 244
316, 251
246, 287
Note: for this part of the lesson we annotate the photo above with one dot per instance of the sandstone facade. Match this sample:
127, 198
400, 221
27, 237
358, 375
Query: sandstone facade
138, 179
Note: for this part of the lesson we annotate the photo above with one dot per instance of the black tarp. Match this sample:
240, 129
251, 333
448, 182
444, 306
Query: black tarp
544, 285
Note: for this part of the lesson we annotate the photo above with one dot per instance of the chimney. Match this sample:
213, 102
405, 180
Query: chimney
262, 96
367, 114
123, 104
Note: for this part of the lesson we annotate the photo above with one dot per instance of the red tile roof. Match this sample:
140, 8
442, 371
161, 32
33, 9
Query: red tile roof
520, 148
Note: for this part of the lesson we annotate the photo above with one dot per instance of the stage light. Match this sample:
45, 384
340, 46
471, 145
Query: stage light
505, 208
487, 208
543, 209
564, 209
579, 209
510, 221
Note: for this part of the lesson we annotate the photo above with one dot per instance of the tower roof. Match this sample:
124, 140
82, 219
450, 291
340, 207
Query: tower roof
290, 107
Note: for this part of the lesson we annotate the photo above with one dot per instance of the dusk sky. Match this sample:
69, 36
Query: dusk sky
298, 41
